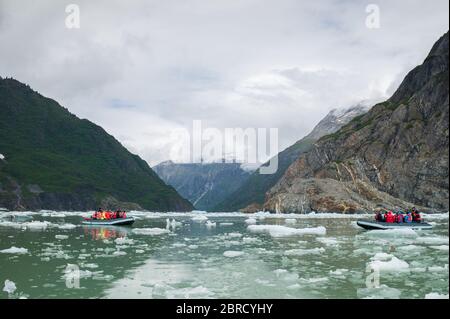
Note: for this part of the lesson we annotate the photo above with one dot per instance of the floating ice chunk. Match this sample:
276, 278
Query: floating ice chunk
124, 241
139, 251
329, 241
66, 226
210, 224
279, 272
290, 221
199, 218
382, 292
437, 240
434, 295
14, 250
172, 224
392, 265
438, 268
226, 224
2, 157
9, 287
36, 225
411, 248
397, 232
61, 236
150, 231
441, 247
119, 253
283, 231
233, 254
193, 246
250, 221
234, 235
382, 256
302, 252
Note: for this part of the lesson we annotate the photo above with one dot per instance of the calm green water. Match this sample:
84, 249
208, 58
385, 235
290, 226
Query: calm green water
219, 256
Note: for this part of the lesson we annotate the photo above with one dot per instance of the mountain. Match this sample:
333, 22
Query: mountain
250, 195
204, 185
396, 155
54, 160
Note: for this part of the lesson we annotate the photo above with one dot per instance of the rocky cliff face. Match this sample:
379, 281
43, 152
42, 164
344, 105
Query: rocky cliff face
394, 155
204, 185
53, 160
250, 195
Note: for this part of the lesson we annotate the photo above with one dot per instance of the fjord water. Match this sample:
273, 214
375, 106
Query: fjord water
218, 255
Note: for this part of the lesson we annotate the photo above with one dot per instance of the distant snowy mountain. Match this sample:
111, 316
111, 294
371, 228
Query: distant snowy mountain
336, 119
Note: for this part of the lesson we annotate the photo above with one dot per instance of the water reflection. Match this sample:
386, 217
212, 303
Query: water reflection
105, 232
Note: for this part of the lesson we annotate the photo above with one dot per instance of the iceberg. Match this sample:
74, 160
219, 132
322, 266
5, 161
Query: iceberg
233, 254
283, 231
9, 287
150, 231
14, 250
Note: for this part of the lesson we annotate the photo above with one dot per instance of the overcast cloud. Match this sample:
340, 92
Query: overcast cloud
142, 69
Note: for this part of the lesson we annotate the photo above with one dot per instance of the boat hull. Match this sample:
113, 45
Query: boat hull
369, 224
110, 222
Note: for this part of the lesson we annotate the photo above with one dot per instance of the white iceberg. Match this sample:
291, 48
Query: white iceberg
233, 254
150, 231
9, 287
14, 250
283, 231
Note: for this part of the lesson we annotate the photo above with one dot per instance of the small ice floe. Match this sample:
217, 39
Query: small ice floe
150, 231
119, 253
396, 232
302, 252
124, 241
250, 221
172, 224
14, 250
328, 241
388, 263
199, 218
250, 240
65, 226
283, 231
209, 224
441, 247
381, 292
226, 224
10, 287
435, 240
233, 253
434, 295
61, 236
2, 157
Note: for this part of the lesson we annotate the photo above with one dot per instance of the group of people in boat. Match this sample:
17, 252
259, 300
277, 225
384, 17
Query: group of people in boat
411, 216
105, 215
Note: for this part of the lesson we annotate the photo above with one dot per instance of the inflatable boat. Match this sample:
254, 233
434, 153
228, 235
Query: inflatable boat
110, 222
372, 224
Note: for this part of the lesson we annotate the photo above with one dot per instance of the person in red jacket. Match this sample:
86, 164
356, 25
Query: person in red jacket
390, 217
416, 216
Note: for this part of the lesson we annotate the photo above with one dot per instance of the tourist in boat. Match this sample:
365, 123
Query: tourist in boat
416, 216
378, 216
408, 217
390, 218
399, 217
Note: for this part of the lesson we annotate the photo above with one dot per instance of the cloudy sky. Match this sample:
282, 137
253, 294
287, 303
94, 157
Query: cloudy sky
143, 69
